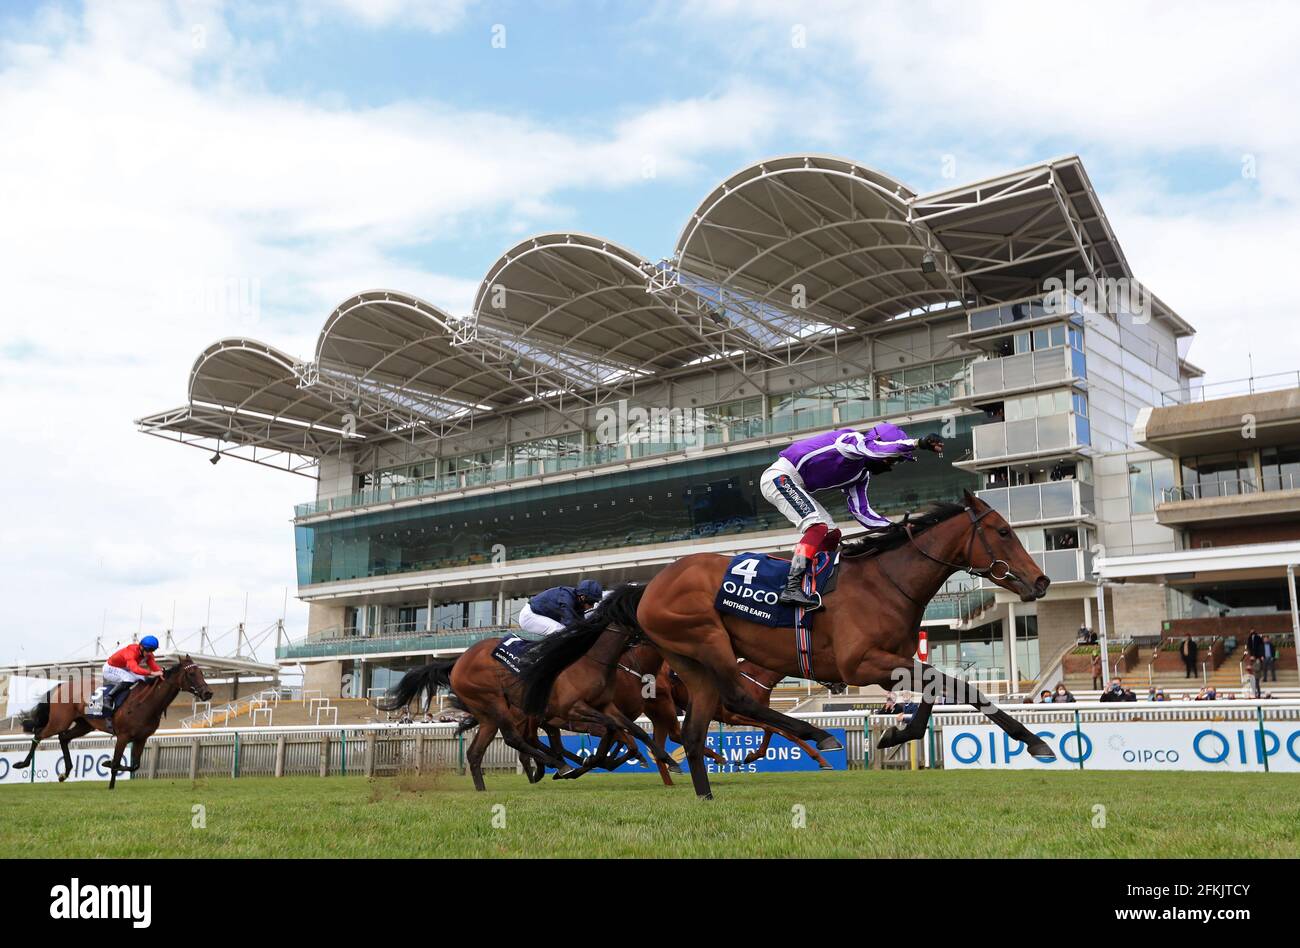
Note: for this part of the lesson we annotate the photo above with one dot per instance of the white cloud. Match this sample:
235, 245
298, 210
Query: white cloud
139, 181
435, 16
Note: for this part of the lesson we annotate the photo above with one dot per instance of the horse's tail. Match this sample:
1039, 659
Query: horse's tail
543, 662
428, 677
39, 717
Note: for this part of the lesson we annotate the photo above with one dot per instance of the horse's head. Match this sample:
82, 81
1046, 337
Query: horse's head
191, 679
995, 552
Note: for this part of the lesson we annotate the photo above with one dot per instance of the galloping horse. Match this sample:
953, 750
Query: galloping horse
865, 635
583, 695
64, 713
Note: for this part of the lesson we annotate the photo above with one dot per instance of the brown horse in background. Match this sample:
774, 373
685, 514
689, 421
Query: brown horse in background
865, 635
583, 696
63, 713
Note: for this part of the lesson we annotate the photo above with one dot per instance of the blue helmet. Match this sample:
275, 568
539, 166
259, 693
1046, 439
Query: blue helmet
590, 589
148, 643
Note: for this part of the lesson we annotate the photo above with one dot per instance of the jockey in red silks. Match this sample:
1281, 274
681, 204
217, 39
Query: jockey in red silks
130, 664
842, 460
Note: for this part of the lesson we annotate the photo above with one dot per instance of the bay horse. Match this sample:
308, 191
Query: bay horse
582, 695
866, 634
63, 713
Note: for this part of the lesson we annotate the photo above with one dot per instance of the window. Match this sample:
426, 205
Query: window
1140, 496
1280, 467
1149, 483
1219, 475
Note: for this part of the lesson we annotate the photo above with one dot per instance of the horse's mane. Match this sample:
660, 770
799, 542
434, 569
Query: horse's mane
895, 535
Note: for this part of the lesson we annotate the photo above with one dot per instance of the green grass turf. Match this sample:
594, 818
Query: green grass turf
854, 813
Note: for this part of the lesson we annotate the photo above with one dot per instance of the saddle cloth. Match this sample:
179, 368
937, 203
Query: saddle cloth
95, 706
511, 650
753, 582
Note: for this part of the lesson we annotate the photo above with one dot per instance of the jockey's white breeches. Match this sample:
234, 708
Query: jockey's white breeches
783, 488
530, 621
113, 675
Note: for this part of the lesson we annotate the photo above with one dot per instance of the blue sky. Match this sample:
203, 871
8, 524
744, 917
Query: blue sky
315, 149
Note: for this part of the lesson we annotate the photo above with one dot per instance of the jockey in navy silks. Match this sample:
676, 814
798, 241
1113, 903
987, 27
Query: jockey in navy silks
837, 460
559, 607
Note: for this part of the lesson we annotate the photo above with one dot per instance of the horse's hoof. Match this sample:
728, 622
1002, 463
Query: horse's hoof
563, 770
829, 743
1041, 752
704, 796
62, 777
825, 766
673, 766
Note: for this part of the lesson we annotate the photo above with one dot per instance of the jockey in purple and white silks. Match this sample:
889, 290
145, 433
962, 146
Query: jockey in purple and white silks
837, 460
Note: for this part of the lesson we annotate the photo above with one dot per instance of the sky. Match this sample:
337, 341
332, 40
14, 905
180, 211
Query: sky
151, 150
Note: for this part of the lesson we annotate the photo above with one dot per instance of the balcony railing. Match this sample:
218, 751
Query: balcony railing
1231, 487
889, 403
1030, 436
1026, 370
1227, 389
1060, 566
379, 644
1054, 500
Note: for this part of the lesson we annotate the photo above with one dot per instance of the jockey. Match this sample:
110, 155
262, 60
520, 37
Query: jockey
845, 460
130, 664
559, 607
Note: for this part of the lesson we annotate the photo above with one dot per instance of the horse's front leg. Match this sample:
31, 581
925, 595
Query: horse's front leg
137, 754
931, 683
115, 766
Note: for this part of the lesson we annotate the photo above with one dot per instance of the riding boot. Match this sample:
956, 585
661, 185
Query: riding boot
110, 699
793, 594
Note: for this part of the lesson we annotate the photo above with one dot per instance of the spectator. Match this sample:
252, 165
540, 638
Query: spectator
1083, 635
1096, 672
1045, 696
1269, 669
1117, 692
1255, 644
1250, 670
1187, 649
1063, 695
1160, 695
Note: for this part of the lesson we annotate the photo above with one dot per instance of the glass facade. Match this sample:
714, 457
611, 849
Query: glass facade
698, 497
1149, 483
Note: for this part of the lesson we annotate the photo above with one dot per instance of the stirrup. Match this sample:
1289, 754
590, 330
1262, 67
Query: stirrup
795, 596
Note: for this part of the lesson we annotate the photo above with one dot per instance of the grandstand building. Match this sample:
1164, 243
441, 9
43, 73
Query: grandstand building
598, 414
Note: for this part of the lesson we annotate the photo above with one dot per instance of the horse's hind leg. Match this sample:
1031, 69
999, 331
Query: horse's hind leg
477, 748
66, 736
758, 752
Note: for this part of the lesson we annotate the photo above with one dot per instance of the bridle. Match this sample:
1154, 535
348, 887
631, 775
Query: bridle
982, 572
191, 687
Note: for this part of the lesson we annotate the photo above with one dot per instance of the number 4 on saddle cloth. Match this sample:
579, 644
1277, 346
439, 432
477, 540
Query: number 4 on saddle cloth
510, 651
751, 589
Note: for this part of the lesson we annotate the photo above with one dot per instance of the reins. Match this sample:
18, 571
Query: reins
981, 572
